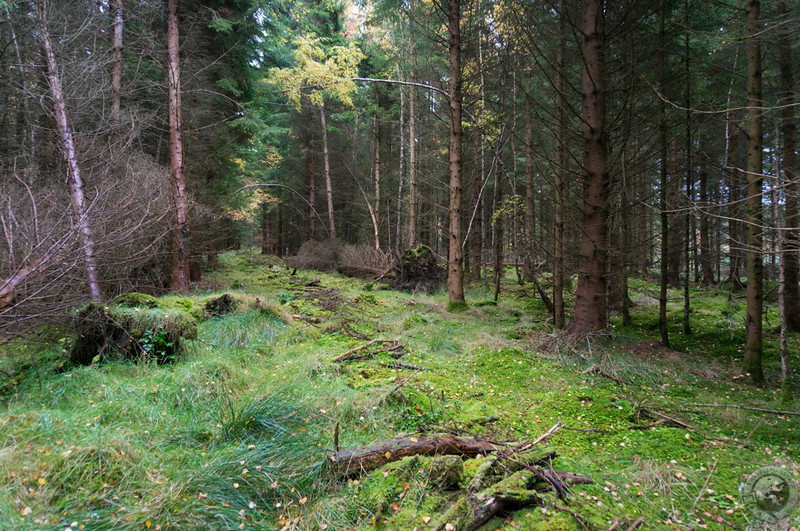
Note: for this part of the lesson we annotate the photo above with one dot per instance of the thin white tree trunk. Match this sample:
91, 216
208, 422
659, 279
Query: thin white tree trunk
116, 70
74, 180
327, 169
180, 239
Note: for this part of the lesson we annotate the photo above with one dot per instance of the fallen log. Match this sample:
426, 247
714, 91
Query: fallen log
367, 458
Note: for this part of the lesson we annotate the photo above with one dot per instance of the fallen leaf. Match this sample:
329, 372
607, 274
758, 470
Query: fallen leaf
388, 455
426, 519
302, 501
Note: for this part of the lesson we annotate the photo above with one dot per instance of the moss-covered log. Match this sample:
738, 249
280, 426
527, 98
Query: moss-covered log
366, 458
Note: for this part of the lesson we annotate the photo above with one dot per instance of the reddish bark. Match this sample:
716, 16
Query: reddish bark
366, 458
455, 260
790, 169
754, 260
591, 302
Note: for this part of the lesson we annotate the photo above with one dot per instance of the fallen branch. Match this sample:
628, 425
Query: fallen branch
307, 319
348, 355
734, 406
650, 413
366, 458
399, 365
530, 444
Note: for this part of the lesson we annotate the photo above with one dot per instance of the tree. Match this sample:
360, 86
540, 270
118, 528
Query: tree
590, 295
455, 257
181, 231
319, 74
74, 180
788, 127
753, 129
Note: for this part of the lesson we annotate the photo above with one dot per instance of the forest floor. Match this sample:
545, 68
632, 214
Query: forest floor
237, 433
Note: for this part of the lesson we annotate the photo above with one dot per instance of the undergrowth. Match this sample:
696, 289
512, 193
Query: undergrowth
236, 435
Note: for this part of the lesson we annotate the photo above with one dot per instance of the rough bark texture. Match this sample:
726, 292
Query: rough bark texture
789, 133
662, 133
455, 259
559, 320
755, 265
591, 313
181, 235
66, 136
366, 458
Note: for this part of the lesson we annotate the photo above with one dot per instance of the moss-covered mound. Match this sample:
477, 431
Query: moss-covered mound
417, 270
139, 333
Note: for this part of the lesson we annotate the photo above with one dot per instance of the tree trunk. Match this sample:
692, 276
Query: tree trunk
266, 237
180, 234
591, 302
791, 238
559, 320
706, 259
753, 129
412, 150
326, 168
664, 280
688, 218
117, 64
455, 258
530, 214
74, 179
377, 183
398, 240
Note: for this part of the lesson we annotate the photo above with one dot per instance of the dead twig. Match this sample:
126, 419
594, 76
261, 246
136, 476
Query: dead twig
734, 406
636, 523
347, 355
399, 365
530, 444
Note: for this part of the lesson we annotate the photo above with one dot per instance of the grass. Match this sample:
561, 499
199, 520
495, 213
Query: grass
236, 434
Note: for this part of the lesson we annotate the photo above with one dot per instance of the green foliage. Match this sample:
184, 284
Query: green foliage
134, 300
319, 72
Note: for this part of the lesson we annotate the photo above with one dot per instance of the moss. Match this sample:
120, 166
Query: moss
185, 304
457, 307
136, 300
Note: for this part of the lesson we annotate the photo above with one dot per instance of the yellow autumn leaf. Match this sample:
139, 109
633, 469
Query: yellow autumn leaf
148, 524
426, 519
388, 455
41, 481
302, 501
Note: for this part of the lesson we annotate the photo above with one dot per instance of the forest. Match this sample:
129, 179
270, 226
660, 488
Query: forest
399, 264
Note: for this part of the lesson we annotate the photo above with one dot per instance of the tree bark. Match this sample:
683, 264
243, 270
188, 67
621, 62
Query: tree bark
706, 259
559, 320
455, 258
791, 238
664, 174
180, 193
117, 64
74, 180
326, 168
377, 184
591, 301
753, 129
366, 458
